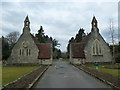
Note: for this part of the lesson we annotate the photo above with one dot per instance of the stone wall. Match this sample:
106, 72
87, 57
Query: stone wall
106, 55
15, 55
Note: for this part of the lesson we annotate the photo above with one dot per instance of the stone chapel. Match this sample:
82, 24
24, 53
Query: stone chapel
92, 48
28, 50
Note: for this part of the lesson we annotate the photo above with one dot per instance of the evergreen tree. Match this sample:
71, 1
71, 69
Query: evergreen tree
78, 38
5, 49
40, 36
55, 44
59, 53
47, 39
80, 35
72, 40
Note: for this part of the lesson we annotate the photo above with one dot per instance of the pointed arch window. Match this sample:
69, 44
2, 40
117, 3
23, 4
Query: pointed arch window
20, 52
97, 48
25, 52
28, 52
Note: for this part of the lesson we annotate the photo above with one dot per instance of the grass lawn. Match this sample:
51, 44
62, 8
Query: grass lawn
101, 68
65, 59
53, 59
10, 74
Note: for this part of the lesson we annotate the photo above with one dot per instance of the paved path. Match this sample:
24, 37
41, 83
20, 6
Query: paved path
63, 75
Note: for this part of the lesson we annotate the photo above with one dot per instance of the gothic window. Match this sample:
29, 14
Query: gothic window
29, 51
97, 48
20, 52
93, 49
24, 51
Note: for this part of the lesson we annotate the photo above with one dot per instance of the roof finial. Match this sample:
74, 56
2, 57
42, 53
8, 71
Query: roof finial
27, 22
27, 19
94, 22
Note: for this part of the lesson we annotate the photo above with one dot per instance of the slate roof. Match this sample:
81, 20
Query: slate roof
44, 50
78, 48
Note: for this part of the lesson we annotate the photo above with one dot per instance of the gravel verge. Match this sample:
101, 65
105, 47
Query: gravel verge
107, 78
26, 81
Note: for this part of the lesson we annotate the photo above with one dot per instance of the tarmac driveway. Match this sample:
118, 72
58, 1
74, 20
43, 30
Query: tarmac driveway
63, 75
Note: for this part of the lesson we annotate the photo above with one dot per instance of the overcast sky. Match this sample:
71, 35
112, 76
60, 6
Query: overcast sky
61, 20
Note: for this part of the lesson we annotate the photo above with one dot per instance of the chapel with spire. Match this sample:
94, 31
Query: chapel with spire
28, 50
91, 49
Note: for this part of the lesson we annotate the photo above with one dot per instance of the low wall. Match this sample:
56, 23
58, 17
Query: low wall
46, 62
77, 61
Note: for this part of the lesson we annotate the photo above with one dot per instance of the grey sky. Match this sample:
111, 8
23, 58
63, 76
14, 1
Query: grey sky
61, 20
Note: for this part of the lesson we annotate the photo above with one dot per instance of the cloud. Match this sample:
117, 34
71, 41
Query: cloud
59, 1
61, 20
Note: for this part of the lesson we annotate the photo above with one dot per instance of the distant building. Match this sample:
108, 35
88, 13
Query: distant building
92, 48
28, 50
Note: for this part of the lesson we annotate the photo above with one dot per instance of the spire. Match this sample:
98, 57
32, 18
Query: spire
26, 28
26, 22
94, 22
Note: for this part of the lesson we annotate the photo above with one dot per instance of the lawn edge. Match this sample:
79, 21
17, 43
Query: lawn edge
33, 83
20, 77
105, 81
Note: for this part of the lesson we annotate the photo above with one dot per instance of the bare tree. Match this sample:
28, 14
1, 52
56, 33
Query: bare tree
12, 38
112, 33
